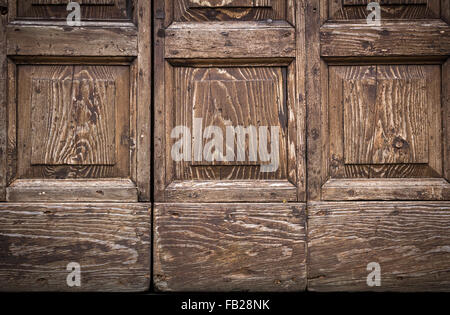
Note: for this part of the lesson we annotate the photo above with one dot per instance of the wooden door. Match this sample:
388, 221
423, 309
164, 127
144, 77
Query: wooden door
378, 144
75, 145
229, 69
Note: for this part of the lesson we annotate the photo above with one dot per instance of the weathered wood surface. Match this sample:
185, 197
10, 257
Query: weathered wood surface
3, 107
233, 67
410, 241
71, 41
143, 88
232, 97
230, 10
111, 242
228, 3
385, 121
231, 190
421, 38
90, 9
386, 189
73, 122
66, 190
82, 135
225, 40
226, 247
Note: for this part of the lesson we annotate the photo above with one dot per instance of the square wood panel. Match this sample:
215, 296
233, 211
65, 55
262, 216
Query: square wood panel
231, 98
385, 121
73, 121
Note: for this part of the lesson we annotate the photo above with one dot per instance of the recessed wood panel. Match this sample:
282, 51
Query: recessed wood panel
385, 115
229, 3
90, 9
365, 2
390, 9
59, 2
73, 122
244, 97
230, 10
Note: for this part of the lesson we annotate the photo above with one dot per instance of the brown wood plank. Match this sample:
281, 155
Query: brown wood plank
60, 2
111, 10
111, 242
386, 189
446, 117
297, 135
423, 38
144, 86
409, 240
66, 190
383, 2
225, 40
79, 41
231, 190
225, 247
3, 107
315, 106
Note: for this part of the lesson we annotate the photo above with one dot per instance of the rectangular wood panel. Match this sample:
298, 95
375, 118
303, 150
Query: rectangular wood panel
275, 40
73, 122
57, 41
409, 240
383, 2
72, 190
230, 10
427, 38
229, 3
385, 114
64, 2
385, 121
56, 10
110, 242
225, 247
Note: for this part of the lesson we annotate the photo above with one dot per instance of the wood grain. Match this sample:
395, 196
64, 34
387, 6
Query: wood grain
316, 123
218, 247
59, 2
231, 190
227, 40
228, 10
390, 9
386, 189
3, 110
85, 138
228, 3
59, 41
73, 122
423, 38
67, 190
144, 100
111, 242
90, 9
231, 97
408, 239
383, 2
446, 116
